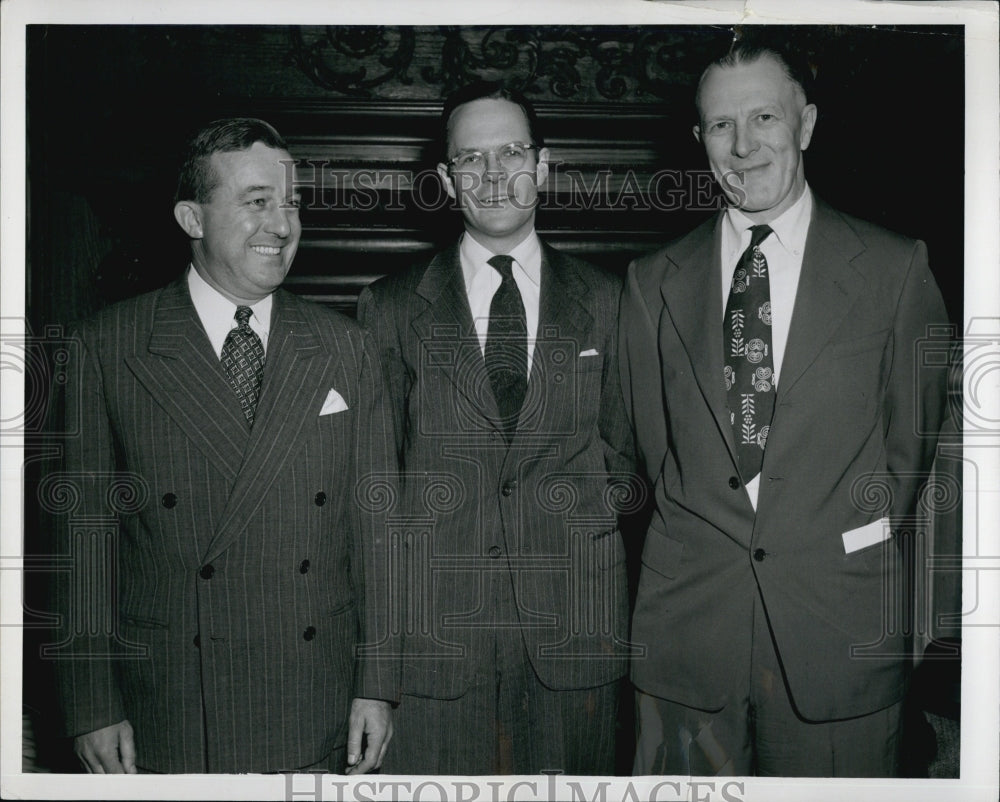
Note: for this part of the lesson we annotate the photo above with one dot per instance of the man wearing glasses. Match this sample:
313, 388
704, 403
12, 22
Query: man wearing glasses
512, 440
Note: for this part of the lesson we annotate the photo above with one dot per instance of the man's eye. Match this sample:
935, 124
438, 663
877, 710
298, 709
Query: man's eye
292, 203
718, 127
258, 202
765, 118
470, 159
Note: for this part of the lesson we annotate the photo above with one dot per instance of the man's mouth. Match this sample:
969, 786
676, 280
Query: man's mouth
266, 250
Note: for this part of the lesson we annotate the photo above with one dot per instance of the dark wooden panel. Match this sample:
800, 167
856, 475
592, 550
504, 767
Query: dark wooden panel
109, 106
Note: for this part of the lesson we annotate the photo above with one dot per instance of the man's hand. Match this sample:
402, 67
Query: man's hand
109, 750
371, 718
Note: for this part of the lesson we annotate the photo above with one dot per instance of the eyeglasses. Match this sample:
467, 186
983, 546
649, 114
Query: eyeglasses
510, 157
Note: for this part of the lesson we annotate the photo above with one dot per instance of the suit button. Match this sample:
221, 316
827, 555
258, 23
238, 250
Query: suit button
495, 551
320, 498
197, 641
303, 566
169, 500
508, 488
207, 571
494, 435
310, 633
759, 555
734, 483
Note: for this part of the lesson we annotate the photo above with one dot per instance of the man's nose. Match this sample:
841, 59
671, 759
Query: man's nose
494, 170
279, 222
744, 141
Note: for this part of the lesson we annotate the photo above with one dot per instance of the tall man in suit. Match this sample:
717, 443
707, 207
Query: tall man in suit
769, 596
228, 424
501, 355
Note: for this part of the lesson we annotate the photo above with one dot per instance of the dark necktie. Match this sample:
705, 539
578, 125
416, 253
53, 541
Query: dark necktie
243, 359
749, 363
507, 346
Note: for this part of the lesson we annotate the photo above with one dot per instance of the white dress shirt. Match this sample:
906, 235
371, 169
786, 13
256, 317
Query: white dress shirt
783, 250
483, 280
218, 314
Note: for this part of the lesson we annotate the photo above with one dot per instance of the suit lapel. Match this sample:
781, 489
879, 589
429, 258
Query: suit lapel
564, 325
298, 374
181, 371
446, 332
692, 295
828, 288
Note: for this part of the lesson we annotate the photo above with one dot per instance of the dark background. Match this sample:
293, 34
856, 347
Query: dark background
108, 108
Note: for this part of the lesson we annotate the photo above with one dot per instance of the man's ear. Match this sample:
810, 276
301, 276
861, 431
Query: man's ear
542, 167
188, 216
696, 130
449, 185
808, 122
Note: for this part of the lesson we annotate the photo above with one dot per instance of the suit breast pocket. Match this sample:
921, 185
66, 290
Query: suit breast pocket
855, 346
849, 378
589, 364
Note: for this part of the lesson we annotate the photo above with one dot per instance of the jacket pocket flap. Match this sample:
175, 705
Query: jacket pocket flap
662, 554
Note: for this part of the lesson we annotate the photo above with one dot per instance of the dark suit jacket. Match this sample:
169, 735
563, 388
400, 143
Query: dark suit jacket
246, 569
842, 441
541, 509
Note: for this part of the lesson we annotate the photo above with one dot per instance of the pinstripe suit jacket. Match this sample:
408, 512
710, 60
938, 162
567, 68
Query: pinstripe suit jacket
538, 511
246, 569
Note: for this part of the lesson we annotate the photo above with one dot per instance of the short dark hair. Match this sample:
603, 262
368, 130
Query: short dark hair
488, 90
747, 50
197, 179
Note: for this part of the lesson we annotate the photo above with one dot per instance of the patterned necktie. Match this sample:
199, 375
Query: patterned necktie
749, 363
243, 359
507, 346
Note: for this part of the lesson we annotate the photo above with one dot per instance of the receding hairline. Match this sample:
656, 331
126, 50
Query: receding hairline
736, 59
500, 99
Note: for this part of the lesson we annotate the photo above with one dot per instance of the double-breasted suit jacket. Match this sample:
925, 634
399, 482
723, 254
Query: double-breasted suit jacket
244, 568
843, 450
541, 511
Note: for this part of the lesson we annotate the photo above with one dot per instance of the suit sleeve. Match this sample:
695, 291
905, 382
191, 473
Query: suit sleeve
375, 554
641, 376
616, 432
915, 399
377, 319
86, 538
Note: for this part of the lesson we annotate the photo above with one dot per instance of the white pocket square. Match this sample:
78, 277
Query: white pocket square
867, 535
589, 352
334, 403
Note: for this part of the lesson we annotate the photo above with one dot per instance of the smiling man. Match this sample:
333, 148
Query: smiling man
770, 368
502, 360
236, 421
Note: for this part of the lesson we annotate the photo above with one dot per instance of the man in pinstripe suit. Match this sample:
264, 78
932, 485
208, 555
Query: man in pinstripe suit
246, 570
510, 428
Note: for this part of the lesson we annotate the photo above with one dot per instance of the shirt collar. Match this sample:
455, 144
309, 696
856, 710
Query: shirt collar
527, 253
790, 228
217, 312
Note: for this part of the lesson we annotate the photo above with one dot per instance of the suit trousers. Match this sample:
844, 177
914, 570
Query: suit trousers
507, 722
759, 732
